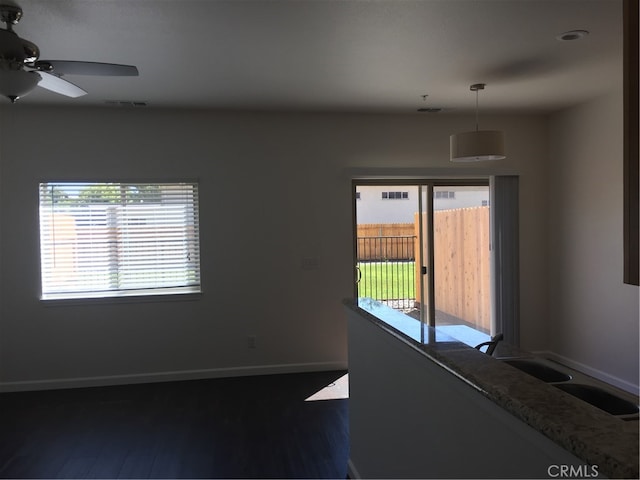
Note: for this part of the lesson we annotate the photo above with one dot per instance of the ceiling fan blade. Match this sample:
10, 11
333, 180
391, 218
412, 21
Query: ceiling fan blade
70, 67
59, 85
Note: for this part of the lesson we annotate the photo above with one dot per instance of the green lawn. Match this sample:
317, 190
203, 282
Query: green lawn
387, 280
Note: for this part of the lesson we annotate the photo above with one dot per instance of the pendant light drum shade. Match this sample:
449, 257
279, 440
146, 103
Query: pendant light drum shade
478, 145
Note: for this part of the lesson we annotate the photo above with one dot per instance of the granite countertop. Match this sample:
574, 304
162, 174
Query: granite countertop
591, 434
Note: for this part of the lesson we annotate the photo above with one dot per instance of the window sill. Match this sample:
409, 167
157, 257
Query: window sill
140, 296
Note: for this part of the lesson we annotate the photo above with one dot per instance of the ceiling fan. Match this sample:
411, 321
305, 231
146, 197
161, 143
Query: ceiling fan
21, 70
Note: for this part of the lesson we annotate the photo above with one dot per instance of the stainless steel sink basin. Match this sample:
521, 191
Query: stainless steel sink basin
600, 398
539, 370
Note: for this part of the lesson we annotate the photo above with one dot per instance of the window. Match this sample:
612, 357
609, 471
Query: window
118, 239
395, 195
445, 194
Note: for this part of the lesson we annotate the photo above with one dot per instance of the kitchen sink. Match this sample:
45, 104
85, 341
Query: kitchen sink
539, 370
599, 398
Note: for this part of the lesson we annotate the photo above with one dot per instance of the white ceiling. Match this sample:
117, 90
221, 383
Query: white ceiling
332, 55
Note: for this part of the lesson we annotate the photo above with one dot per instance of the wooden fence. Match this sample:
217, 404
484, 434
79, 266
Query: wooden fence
386, 241
461, 264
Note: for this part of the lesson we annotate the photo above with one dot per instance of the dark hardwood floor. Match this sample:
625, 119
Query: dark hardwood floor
241, 427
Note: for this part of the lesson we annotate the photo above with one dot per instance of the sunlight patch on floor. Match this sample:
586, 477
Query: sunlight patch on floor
334, 391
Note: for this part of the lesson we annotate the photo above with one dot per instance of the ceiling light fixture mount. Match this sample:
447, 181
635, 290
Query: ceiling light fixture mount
428, 109
572, 35
478, 145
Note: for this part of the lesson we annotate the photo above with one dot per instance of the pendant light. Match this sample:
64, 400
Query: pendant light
478, 145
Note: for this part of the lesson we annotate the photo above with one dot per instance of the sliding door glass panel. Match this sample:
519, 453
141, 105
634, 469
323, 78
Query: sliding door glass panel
386, 245
461, 270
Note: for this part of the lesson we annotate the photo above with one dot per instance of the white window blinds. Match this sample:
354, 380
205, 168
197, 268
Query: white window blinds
114, 239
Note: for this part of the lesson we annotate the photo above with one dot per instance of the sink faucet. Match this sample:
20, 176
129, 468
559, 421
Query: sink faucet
491, 344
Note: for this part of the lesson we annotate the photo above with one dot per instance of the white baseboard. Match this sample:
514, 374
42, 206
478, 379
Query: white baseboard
109, 380
352, 471
592, 372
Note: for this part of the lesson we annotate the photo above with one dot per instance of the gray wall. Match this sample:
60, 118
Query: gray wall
594, 317
274, 189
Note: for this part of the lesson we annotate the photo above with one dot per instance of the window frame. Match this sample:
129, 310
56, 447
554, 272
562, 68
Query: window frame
131, 295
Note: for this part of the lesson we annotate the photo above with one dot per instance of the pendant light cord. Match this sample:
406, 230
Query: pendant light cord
474, 88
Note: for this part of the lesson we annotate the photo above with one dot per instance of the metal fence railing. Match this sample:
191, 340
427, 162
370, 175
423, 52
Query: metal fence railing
387, 270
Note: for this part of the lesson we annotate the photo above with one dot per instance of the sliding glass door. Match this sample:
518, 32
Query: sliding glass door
423, 249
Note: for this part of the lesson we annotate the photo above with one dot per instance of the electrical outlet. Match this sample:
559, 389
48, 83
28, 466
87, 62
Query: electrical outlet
251, 341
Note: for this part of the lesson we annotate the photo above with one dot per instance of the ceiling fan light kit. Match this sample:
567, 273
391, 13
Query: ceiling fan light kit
477, 145
17, 83
21, 71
